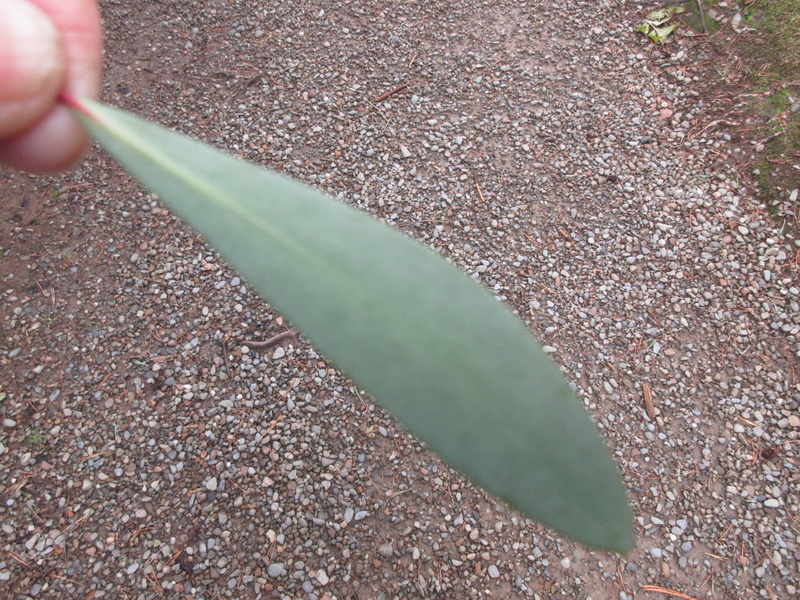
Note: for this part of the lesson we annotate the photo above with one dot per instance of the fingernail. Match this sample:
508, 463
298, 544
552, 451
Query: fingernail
31, 59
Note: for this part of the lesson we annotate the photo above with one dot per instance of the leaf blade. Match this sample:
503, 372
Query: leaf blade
431, 345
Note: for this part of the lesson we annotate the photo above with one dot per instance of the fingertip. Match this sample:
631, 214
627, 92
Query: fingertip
52, 145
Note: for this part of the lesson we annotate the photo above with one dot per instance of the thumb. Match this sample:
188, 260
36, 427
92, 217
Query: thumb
32, 65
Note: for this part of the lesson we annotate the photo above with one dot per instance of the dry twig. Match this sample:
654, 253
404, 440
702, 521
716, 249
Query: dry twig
661, 590
383, 97
648, 401
262, 344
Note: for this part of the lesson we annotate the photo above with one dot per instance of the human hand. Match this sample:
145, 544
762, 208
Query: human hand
46, 47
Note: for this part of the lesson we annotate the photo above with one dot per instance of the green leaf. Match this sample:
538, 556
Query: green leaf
431, 345
655, 26
660, 34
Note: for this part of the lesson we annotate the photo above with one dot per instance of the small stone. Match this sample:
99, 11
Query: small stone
794, 421
132, 568
322, 577
772, 503
405, 152
348, 514
743, 230
9, 423
565, 562
386, 550
493, 571
275, 569
211, 484
361, 515
32, 541
279, 353
548, 349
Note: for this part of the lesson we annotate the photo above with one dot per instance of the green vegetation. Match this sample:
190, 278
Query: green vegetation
772, 54
777, 23
35, 437
756, 44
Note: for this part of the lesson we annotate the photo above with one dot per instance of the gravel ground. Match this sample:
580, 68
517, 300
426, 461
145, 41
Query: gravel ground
552, 152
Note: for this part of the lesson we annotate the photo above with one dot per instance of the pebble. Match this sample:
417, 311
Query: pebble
621, 239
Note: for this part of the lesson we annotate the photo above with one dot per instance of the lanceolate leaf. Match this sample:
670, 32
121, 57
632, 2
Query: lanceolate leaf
431, 345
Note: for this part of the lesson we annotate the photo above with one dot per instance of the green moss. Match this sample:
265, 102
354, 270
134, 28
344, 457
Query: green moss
778, 23
695, 21
771, 50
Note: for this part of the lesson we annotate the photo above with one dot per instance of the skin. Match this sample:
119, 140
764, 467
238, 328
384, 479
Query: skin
46, 47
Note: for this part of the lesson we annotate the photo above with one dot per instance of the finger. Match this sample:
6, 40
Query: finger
58, 139
78, 22
53, 145
32, 65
